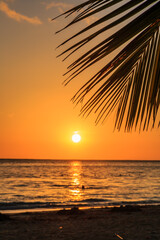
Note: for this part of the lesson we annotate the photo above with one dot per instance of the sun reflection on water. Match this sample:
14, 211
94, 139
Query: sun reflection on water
76, 191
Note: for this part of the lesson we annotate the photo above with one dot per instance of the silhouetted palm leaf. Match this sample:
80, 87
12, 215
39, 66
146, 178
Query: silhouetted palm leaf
131, 80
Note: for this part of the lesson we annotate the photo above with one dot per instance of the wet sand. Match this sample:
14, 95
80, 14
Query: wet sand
128, 223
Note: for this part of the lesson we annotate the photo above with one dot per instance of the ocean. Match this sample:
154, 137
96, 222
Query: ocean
57, 184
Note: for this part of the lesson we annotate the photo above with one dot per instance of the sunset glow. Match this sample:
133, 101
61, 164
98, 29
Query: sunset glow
79, 119
37, 117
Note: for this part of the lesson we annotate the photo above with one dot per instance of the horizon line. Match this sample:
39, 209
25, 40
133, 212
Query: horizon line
67, 159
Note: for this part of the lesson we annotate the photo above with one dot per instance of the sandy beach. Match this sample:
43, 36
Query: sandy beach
128, 223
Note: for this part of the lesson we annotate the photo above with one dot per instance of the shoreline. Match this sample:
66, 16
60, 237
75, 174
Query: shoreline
128, 223
69, 207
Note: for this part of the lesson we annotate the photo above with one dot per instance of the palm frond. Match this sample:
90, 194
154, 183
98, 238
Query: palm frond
130, 82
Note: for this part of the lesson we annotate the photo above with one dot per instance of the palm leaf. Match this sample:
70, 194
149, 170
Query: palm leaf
130, 82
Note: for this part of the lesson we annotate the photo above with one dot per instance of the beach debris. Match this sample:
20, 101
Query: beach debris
72, 211
117, 235
126, 208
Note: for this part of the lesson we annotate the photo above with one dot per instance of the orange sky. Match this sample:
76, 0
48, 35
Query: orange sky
37, 119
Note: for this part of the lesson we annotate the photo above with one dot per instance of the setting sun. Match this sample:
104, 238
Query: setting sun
76, 138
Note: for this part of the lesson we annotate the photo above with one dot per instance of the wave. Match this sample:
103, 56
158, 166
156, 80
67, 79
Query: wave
12, 206
93, 200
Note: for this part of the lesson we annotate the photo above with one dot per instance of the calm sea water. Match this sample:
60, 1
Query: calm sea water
30, 184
